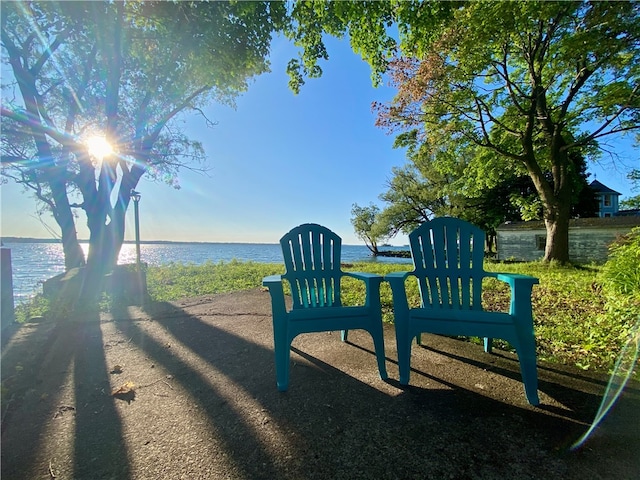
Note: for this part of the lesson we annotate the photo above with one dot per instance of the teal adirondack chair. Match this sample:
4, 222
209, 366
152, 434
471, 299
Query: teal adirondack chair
448, 256
312, 268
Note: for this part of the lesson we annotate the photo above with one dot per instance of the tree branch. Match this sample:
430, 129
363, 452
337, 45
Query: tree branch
48, 51
36, 126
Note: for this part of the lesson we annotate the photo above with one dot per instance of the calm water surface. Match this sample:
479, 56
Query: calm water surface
33, 263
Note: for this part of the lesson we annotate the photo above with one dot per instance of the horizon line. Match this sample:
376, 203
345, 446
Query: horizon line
12, 239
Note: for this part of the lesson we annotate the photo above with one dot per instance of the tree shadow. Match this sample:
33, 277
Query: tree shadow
338, 421
70, 348
99, 448
206, 406
25, 406
552, 381
231, 355
565, 385
334, 421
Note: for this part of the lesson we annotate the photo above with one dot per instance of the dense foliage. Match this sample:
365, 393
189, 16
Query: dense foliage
428, 187
366, 224
511, 87
621, 273
126, 71
520, 87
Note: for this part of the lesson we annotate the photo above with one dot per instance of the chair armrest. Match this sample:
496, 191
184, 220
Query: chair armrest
274, 284
271, 280
398, 290
521, 289
365, 277
372, 283
397, 277
517, 279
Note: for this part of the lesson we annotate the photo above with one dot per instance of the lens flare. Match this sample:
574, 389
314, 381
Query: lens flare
622, 372
99, 147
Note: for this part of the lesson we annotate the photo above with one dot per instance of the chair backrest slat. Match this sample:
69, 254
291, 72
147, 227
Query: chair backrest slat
312, 263
448, 256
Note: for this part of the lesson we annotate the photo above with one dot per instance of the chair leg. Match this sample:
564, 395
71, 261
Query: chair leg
529, 373
282, 347
404, 361
403, 344
488, 344
528, 369
378, 344
344, 334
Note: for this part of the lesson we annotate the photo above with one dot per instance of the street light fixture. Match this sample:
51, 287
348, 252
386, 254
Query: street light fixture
135, 196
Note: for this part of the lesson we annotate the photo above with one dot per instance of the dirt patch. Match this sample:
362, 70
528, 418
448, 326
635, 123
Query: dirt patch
187, 390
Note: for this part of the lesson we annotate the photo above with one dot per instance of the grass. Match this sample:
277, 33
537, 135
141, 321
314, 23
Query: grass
577, 321
175, 281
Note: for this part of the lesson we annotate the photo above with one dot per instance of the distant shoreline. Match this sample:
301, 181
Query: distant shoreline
153, 242
142, 242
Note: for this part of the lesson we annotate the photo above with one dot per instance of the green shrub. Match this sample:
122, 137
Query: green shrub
621, 272
37, 306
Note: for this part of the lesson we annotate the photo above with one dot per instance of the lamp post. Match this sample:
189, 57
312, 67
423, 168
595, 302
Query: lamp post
135, 196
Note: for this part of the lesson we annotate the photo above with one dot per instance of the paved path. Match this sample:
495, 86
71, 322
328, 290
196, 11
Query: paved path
198, 401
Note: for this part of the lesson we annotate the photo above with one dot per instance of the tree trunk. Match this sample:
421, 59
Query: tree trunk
73, 254
373, 247
557, 247
555, 196
490, 242
116, 228
557, 213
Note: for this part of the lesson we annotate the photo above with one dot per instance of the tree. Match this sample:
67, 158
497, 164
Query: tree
434, 185
522, 83
365, 23
418, 191
366, 226
633, 202
127, 70
525, 85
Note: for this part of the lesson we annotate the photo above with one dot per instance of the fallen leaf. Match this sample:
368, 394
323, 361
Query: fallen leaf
125, 388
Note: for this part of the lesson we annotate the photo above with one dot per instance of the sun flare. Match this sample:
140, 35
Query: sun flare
99, 147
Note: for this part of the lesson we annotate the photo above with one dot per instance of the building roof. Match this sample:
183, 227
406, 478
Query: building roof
602, 188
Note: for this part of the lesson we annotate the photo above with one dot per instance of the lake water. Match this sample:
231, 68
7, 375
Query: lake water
33, 263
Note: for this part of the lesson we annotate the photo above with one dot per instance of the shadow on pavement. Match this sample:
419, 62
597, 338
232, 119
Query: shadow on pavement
205, 405
63, 379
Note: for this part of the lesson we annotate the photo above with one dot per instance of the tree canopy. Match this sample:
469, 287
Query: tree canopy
519, 85
366, 226
428, 187
127, 71
490, 90
524, 85
633, 202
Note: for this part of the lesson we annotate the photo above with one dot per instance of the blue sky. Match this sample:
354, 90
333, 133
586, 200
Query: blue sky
279, 160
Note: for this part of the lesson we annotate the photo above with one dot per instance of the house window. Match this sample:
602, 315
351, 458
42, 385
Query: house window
607, 200
541, 242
